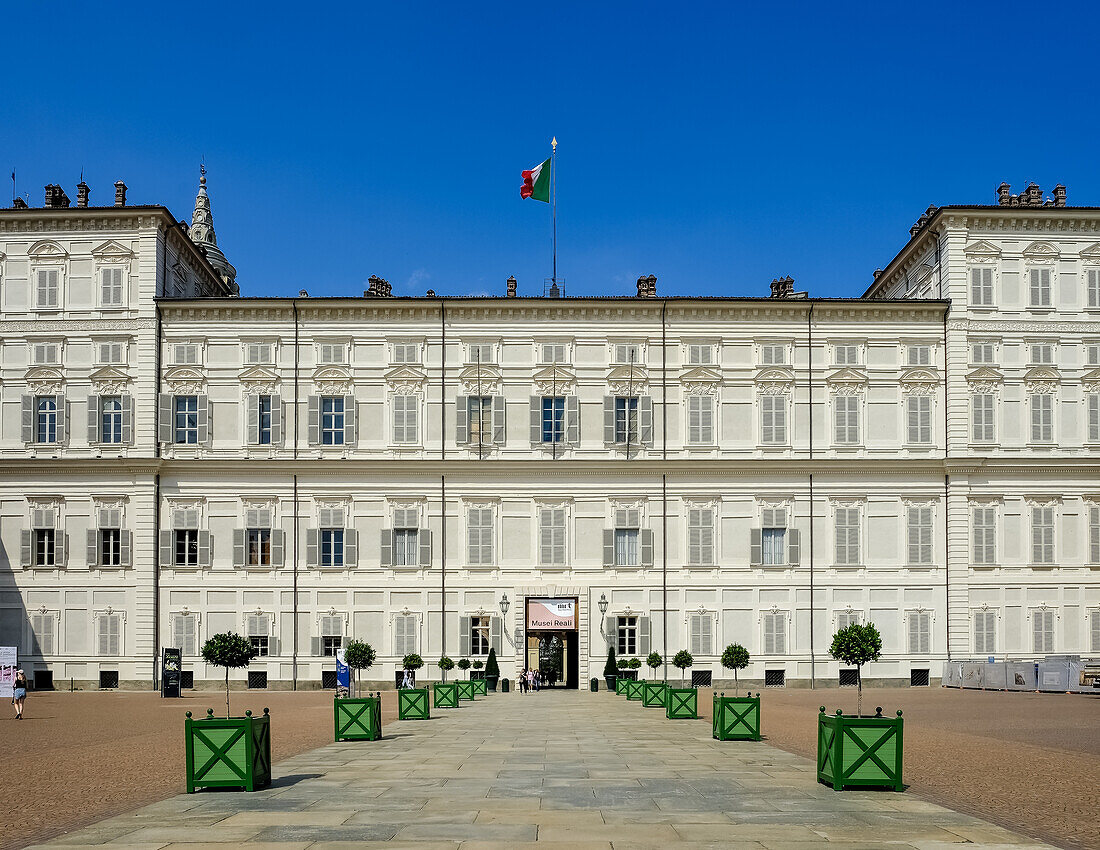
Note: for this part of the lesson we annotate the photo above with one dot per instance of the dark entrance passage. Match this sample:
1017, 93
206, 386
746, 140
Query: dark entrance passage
551, 640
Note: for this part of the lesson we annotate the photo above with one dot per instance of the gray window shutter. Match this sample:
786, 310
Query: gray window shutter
385, 548
61, 418
494, 633
349, 420
276, 420
126, 547
609, 547
463, 637
462, 415
572, 420
498, 420
25, 548
424, 537
645, 541
167, 547
313, 547
60, 555
238, 547
164, 418
315, 646
609, 419
611, 630
93, 419
314, 415
756, 547
206, 548
127, 419
536, 419
643, 636
252, 419
278, 547
351, 547
645, 420
794, 546
28, 419
202, 418
93, 547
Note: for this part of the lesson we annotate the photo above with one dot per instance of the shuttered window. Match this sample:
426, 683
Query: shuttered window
479, 635
627, 353
701, 628
846, 355
627, 526
110, 287
920, 535
480, 353
404, 634
627, 635
981, 418
700, 413
109, 634
981, 286
48, 289
1094, 534
553, 419
981, 353
185, 633
1042, 418
847, 537
186, 413
258, 630
920, 632
773, 537
46, 354
1042, 630
1042, 535
1094, 287
553, 353
110, 419
46, 410
332, 420
918, 410
846, 419
332, 635
1092, 416
185, 354
1092, 354
43, 633
773, 419
1039, 287
479, 419
406, 352
259, 354
775, 633
1094, 631
626, 419
984, 529
479, 536
405, 415
1042, 354
700, 536
773, 355
700, 354
985, 632
919, 355
332, 353
846, 618
552, 537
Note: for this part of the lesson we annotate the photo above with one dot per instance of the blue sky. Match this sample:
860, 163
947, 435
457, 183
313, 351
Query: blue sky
714, 145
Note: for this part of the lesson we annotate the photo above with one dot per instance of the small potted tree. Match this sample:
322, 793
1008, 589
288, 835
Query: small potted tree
853, 750
445, 693
682, 703
465, 686
735, 718
231, 751
492, 671
358, 718
653, 691
478, 678
633, 683
610, 671
412, 703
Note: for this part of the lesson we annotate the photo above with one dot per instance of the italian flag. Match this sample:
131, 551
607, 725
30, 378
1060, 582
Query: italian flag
536, 183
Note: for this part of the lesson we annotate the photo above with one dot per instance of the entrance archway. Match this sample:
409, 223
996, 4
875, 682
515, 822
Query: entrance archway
551, 639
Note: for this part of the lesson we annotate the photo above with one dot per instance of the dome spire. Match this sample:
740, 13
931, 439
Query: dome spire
202, 233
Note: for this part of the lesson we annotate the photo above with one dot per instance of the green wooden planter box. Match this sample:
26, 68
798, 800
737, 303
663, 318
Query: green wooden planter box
653, 694
681, 703
859, 751
412, 704
481, 688
465, 689
228, 752
620, 686
736, 718
446, 694
634, 689
358, 719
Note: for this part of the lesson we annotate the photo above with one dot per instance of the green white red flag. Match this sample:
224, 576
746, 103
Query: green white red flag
536, 183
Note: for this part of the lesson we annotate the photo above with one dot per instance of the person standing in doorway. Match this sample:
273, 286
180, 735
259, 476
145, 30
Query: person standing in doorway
19, 694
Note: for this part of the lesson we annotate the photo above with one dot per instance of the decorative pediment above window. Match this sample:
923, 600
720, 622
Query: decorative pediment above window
484, 378
701, 380
627, 505
701, 503
774, 380
1091, 254
846, 382
985, 380
920, 501
1041, 379
1043, 501
846, 502
112, 252
182, 380
47, 249
623, 380
1041, 252
919, 382
109, 380
332, 380
1091, 381
259, 379
555, 380
982, 252
406, 380
44, 380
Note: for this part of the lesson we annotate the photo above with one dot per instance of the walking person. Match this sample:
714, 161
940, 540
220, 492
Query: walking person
19, 694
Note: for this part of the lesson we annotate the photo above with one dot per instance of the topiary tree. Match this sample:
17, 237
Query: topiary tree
230, 651
735, 658
609, 668
492, 669
445, 664
412, 661
464, 665
623, 663
653, 662
682, 660
634, 664
857, 645
359, 656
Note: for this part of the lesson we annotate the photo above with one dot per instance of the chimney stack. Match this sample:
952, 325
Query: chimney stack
18, 204
379, 288
512, 286
783, 287
1003, 194
120, 193
647, 286
56, 197
1034, 195
82, 194
1059, 195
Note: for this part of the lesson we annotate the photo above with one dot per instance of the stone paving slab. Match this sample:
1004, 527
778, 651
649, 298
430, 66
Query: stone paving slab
545, 771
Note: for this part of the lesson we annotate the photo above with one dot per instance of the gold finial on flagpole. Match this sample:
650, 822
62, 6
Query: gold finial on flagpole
554, 144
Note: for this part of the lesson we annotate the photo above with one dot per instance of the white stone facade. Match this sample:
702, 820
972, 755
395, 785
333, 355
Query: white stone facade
910, 458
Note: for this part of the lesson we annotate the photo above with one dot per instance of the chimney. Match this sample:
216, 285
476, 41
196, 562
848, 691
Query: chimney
303, 294
379, 288
1059, 195
512, 285
82, 194
651, 287
56, 197
1003, 195
1034, 195
431, 293
120, 193
777, 288
18, 204
913, 230
643, 286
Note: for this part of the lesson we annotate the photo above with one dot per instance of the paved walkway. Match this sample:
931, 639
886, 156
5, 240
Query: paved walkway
545, 771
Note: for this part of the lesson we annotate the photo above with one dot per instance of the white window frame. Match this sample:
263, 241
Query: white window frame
700, 522
399, 425
547, 353
984, 344
53, 616
931, 633
781, 638
700, 645
986, 614
58, 288
1042, 353
252, 352
983, 418
778, 431
1044, 534
1049, 616
852, 430
701, 407
920, 523
619, 355
100, 344
120, 272
842, 552
850, 356
769, 351
1035, 286
1041, 432
46, 352
1092, 417
332, 353
553, 537
193, 616
919, 354
775, 519
699, 354
983, 551
920, 434
982, 290
482, 552
481, 353
1092, 287
99, 617
399, 353
1092, 529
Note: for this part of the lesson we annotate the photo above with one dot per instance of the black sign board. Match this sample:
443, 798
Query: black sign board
170, 673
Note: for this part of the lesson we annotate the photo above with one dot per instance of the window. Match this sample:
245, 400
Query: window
46, 354
627, 635
773, 537
982, 353
552, 537
110, 419
773, 420
846, 355
919, 355
700, 522
110, 353
259, 354
332, 635
1092, 354
481, 352
110, 287
48, 289
332, 547
555, 352
479, 536
405, 413
847, 537
627, 529
920, 535
1092, 402
553, 419
981, 418
406, 352
185, 634
109, 634
626, 419
773, 354
985, 632
186, 419
1042, 629
1094, 631
920, 632
1094, 534
479, 635
1042, 354
700, 413
1042, 418
985, 535
46, 419
700, 354
332, 353
404, 634
45, 547
846, 618
1042, 535
775, 633
406, 537
258, 541
919, 416
981, 286
332, 420
479, 412
187, 547
1039, 288
43, 630
110, 547
185, 354
258, 627
846, 419
627, 353
263, 411
701, 634
1094, 287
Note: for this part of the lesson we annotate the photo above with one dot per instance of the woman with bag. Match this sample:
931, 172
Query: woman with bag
19, 694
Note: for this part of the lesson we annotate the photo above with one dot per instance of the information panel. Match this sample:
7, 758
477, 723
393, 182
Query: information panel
9, 661
551, 614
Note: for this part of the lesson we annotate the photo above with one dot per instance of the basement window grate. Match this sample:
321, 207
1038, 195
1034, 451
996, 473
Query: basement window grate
43, 680
328, 679
775, 678
257, 679
849, 678
108, 679
187, 680
918, 678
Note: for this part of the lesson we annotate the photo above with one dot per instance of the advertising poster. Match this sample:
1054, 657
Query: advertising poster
343, 672
551, 614
9, 663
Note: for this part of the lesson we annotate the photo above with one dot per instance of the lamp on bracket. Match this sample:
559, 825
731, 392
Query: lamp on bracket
602, 605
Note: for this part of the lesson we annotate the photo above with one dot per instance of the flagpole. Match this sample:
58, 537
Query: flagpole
554, 202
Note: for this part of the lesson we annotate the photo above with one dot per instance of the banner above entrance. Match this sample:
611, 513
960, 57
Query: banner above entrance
552, 614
